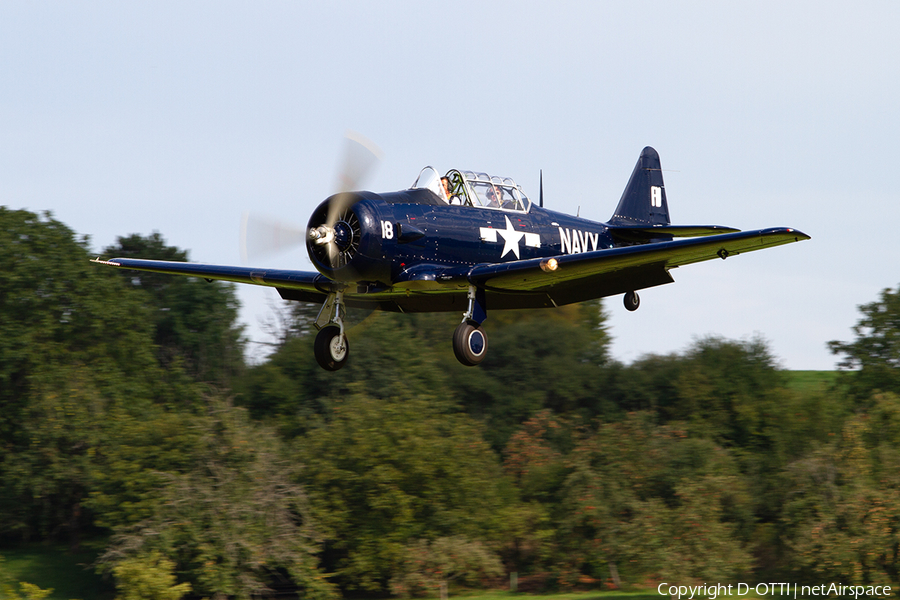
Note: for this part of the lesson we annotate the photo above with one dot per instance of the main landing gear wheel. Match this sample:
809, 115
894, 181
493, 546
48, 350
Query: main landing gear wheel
469, 343
632, 301
331, 348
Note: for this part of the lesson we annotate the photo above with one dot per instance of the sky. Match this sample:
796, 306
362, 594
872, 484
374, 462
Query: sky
179, 117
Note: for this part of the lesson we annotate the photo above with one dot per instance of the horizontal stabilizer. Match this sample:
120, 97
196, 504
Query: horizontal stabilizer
642, 233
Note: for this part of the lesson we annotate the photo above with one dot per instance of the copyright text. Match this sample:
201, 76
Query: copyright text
713, 591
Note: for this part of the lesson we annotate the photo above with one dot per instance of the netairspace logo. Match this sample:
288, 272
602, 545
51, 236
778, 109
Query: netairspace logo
794, 590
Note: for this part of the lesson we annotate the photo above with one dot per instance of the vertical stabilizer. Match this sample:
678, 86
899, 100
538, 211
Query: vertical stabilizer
644, 200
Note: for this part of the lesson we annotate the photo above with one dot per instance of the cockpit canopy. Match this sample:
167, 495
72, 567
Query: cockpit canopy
468, 188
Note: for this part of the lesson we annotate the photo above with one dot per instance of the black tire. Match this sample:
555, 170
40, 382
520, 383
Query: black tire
331, 348
632, 301
470, 343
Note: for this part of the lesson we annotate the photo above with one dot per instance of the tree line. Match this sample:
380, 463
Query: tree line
129, 421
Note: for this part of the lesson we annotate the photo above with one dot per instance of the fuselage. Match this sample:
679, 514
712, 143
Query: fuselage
399, 230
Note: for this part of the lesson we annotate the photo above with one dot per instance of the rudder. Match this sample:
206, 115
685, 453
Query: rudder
644, 200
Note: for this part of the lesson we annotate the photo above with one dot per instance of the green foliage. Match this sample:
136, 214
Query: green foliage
234, 522
32, 592
58, 309
528, 358
148, 577
683, 497
528, 352
429, 565
393, 357
195, 322
707, 465
872, 360
534, 455
74, 345
61, 427
29, 591
131, 467
385, 473
843, 508
722, 388
54, 566
411, 356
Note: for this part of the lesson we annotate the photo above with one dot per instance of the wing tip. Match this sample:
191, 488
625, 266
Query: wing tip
111, 263
799, 236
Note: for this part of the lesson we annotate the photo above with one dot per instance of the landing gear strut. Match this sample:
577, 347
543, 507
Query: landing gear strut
331, 347
469, 339
632, 301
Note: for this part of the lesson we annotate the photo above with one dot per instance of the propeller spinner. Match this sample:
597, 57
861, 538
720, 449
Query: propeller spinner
335, 242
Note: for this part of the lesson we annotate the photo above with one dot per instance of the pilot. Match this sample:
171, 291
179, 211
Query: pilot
451, 197
493, 197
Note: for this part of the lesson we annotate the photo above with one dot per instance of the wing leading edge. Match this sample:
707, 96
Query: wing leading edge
650, 262
517, 284
307, 281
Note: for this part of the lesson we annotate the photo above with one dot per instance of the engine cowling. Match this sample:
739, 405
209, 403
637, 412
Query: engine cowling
344, 239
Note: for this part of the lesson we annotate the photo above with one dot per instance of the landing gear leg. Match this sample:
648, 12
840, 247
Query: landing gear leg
331, 347
469, 339
632, 301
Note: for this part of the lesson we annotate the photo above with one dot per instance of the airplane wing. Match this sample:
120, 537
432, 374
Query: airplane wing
574, 278
617, 270
310, 282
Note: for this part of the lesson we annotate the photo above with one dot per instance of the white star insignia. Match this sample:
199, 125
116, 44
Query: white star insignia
511, 238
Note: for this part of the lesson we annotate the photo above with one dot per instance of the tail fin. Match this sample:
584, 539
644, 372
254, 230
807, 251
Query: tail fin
644, 200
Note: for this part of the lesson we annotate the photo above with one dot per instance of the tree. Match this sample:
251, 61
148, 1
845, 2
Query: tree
725, 389
428, 566
74, 344
384, 474
148, 577
195, 322
536, 458
136, 458
410, 355
842, 515
392, 356
530, 350
234, 523
872, 360
56, 307
641, 502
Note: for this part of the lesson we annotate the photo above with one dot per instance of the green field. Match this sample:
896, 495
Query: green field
812, 381
615, 595
71, 577
69, 574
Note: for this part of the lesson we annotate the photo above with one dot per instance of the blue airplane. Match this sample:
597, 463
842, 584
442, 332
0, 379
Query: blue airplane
471, 242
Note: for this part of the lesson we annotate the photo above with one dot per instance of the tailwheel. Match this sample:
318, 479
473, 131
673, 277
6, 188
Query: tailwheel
632, 301
331, 348
469, 343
